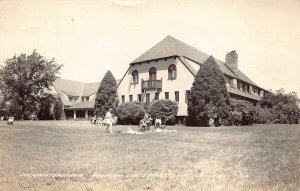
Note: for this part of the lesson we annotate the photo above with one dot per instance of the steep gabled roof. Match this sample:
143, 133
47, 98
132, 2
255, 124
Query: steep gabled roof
90, 88
170, 46
73, 88
69, 87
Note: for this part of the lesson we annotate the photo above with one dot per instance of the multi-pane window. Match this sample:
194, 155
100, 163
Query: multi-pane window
166, 95
84, 98
148, 98
135, 77
130, 98
139, 98
123, 98
73, 98
172, 72
187, 94
156, 96
177, 96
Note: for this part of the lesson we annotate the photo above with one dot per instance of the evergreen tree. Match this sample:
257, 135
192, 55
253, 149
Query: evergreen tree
106, 97
58, 110
209, 99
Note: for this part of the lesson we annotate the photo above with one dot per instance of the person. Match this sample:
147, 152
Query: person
158, 123
145, 123
109, 121
94, 119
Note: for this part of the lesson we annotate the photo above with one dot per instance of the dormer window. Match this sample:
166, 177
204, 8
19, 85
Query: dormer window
172, 72
135, 77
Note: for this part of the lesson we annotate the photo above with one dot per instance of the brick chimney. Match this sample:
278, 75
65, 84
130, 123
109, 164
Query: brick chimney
231, 60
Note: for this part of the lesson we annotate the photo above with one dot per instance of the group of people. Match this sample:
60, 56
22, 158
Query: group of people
146, 122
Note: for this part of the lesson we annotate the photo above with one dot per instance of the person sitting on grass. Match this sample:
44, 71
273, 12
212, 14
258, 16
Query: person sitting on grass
10, 120
145, 123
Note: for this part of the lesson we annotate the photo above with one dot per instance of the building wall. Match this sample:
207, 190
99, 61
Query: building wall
183, 82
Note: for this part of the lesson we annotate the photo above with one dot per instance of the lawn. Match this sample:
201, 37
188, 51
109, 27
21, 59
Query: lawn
68, 155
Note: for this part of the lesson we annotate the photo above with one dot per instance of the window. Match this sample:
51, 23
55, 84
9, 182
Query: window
123, 98
73, 98
130, 98
148, 98
187, 94
239, 85
156, 96
231, 84
172, 72
135, 77
84, 99
166, 95
177, 96
139, 98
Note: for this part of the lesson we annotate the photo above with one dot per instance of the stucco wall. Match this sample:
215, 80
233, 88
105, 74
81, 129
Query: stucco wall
182, 82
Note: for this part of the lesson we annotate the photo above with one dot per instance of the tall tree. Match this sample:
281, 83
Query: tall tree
209, 99
25, 81
106, 97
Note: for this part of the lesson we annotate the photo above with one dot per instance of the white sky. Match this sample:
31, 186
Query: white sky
91, 37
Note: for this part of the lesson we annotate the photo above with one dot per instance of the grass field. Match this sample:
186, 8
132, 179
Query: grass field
66, 155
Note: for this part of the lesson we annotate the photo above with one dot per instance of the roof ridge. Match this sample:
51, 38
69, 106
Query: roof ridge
170, 41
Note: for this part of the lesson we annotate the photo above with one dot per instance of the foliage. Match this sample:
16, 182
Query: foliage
166, 110
44, 110
58, 111
24, 81
242, 113
106, 97
278, 107
209, 98
130, 113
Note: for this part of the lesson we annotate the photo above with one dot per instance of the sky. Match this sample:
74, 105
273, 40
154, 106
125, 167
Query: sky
91, 37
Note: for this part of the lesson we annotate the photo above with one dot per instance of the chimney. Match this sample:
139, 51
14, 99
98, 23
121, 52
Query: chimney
231, 60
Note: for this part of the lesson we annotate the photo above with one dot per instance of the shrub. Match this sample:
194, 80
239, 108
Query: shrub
165, 110
278, 107
209, 98
242, 112
264, 115
130, 113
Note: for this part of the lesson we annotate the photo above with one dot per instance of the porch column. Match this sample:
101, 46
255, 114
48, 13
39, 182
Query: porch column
74, 114
86, 114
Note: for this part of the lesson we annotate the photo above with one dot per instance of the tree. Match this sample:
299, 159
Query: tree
106, 97
58, 110
209, 99
44, 108
25, 81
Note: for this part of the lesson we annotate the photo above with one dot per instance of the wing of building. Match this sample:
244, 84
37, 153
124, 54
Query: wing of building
167, 71
78, 98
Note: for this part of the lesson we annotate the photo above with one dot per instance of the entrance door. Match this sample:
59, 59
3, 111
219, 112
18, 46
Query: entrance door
152, 77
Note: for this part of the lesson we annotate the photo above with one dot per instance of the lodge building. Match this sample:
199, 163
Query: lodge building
166, 71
